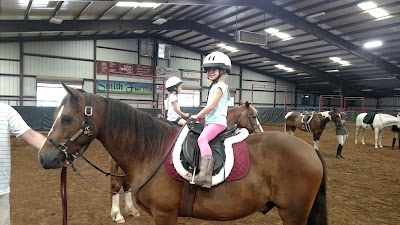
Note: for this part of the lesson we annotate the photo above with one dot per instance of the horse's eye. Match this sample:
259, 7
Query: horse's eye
66, 119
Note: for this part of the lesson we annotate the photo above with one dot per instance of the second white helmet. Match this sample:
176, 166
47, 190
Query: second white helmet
172, 81
217, 60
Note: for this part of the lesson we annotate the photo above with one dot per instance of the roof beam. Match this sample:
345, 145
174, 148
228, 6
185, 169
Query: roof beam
90, 25
310, 28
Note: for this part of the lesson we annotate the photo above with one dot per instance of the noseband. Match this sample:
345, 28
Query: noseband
86, 128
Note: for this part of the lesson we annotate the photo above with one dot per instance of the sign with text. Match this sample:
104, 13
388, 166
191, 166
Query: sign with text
123, 68
124, 87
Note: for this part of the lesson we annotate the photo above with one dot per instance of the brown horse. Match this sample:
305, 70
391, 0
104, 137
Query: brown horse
285, 172
244, 116
316, 125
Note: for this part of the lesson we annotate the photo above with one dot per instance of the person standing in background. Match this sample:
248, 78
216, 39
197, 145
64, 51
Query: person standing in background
341, 134
396, 131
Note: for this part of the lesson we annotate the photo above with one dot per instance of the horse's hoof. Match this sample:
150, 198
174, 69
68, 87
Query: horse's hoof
135, 214
338, 157
381, 146
119, 219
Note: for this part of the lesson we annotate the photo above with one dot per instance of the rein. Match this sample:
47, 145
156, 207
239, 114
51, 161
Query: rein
146, 181
249, 120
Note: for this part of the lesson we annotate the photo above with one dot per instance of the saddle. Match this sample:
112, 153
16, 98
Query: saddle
369, 118
306, 118
190, 155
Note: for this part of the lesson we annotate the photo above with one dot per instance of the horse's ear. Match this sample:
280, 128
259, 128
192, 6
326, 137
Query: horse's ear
72, 91
240, 102
247, 104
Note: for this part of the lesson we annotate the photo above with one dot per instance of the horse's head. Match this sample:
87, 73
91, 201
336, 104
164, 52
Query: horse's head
335, 116
247, 117
72, 129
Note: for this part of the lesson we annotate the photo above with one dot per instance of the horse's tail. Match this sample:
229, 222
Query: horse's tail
319, 211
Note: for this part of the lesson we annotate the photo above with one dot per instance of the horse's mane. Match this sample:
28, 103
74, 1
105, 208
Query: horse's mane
251, 108
138, 131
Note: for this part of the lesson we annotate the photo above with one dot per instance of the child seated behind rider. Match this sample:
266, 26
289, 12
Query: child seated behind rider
175, 115
217, 65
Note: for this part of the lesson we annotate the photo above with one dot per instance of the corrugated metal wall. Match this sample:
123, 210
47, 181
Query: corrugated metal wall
63, 60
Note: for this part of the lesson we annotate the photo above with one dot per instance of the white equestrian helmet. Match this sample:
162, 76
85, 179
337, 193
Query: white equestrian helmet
217, 60
172, 81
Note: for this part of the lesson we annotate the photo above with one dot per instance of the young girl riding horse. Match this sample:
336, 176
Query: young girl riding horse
217, 65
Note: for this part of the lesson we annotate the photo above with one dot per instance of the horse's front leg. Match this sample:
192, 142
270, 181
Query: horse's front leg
129, 205
376, 137
357, 129
115, 210
316, 140
380, 138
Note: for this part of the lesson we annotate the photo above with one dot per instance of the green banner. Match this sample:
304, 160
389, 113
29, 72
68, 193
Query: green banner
124, 87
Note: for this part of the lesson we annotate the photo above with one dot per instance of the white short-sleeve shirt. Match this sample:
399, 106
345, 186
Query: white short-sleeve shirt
172, 115
10, 122
219, 113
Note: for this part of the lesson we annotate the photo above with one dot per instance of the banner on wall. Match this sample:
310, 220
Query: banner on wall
167, 72
124, 87
123, 68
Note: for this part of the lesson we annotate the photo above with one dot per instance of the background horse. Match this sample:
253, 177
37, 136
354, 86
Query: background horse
244, 115
279, 162
317, 124
381, 121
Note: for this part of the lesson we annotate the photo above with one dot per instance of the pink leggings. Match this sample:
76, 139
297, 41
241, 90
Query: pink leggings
210, 131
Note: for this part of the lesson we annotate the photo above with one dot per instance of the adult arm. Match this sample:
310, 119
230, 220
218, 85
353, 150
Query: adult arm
34, 138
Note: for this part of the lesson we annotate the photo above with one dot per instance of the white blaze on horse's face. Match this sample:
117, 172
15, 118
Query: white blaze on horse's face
259, 125
58, 116
327, 114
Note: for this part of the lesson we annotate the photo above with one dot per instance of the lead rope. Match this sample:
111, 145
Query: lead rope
63, 192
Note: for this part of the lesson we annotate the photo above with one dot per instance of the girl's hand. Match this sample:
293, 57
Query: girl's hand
194, 117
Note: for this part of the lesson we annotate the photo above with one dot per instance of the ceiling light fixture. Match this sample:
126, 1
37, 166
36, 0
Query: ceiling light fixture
275, 32
367, 5
315, 15
368, 89
56, 20
160, 21
372, 44
138, 4
332, 71
229, 48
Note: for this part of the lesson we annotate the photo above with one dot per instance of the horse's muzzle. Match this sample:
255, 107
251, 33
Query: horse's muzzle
51, 162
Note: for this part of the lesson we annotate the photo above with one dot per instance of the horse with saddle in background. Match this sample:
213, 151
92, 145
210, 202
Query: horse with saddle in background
377, 122
313, 122
244, 116
143, 146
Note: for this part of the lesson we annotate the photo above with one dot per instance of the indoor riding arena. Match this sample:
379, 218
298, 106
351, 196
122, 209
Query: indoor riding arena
309, 69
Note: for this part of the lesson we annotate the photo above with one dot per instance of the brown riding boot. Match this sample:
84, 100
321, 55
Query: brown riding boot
205, 175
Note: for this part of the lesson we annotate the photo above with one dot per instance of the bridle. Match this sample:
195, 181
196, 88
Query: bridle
249, 117
86, 129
